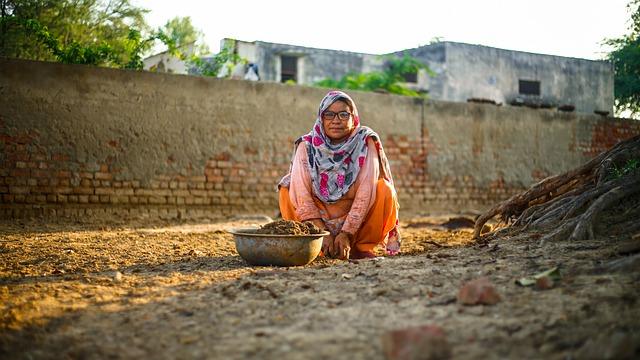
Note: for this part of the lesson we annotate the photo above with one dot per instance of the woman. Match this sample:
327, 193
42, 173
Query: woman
340, 180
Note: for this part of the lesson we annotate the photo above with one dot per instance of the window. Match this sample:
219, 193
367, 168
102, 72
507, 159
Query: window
529, 87
411, 77
288, 68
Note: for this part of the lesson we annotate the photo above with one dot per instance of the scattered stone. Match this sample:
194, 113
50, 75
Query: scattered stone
478, 291
421, 342
117, 277
544, 283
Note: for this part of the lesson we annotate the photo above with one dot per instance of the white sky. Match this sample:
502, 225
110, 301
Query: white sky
573, 28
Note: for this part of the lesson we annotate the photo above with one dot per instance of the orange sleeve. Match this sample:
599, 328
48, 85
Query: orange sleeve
300, 192
366, 190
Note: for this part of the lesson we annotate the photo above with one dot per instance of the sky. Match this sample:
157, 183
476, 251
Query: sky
572, 28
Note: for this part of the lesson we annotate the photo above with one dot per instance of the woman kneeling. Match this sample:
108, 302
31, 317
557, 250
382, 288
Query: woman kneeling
340, 180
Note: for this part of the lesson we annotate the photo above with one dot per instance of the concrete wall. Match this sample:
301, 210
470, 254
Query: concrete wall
79, 141
465, 71
313, 64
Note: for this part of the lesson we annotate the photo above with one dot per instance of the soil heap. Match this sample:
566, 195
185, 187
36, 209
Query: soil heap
289, 227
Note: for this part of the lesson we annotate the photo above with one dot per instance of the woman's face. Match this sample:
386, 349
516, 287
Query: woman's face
337, 129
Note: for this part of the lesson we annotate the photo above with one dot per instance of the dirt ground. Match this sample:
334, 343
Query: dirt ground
180, 291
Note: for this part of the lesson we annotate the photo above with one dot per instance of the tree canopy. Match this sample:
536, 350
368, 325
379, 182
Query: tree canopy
106, 27
182, 32
625, 58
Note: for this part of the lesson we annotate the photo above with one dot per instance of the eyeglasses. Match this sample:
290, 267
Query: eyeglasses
330, 115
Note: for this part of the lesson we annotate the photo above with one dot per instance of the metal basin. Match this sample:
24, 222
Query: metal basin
277, 250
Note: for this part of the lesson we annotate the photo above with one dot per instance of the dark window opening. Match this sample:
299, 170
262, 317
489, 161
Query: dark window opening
411, 77
288, 68
529, 87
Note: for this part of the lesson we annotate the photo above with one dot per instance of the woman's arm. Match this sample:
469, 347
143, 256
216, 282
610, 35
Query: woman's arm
366, 193
300, 191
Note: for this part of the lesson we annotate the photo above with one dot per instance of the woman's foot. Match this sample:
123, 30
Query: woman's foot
393, 242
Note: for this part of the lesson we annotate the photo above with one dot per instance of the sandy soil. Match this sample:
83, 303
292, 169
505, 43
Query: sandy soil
173, 291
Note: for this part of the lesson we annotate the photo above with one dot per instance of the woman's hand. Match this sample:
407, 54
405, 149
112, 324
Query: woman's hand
342, 246
327, 245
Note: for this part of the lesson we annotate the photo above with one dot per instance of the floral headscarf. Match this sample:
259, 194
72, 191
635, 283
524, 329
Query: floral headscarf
334, 167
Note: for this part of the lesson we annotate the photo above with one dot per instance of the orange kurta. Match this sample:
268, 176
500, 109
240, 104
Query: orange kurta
368, 210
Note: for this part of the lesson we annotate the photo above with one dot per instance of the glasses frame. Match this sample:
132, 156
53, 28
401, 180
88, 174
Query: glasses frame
336, 114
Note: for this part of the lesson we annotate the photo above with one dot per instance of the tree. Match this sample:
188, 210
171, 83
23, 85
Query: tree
183, 33
71, 26
390, 80
625, 58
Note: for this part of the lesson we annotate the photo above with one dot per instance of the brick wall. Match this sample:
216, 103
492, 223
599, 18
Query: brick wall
80, 142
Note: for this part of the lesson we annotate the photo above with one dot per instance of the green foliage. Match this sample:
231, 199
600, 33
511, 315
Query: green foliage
618, 172
182, 32
215, 65
73, 53
390, 80
130, 57
78, 31
625, 58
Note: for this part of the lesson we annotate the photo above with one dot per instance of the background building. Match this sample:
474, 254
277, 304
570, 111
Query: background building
461, 72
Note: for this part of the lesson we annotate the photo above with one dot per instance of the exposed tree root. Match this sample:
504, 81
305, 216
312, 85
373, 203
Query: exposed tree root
571, 204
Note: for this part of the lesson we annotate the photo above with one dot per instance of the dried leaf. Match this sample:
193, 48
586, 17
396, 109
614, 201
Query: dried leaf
553, 273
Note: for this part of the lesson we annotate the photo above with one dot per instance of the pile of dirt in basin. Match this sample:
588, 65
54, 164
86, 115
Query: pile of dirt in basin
289, 227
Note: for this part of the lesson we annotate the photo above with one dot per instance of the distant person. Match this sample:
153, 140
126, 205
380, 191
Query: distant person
340, 180
252, 73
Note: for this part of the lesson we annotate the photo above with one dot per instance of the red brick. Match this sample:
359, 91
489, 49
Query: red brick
40, 173
157, 200
19, 189
104, 191
20, 172
103, 176
124, 191
83, 190
59, 157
